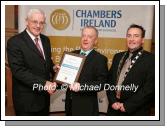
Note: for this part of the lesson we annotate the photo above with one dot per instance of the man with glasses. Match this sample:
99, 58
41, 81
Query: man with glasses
29, 56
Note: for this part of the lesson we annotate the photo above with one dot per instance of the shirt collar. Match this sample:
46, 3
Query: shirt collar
31, 35
135, 52
86, 52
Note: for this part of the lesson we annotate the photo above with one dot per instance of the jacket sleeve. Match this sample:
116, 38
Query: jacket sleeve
145, 93
111, 93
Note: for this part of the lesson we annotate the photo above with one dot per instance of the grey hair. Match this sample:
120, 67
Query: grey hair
32, 11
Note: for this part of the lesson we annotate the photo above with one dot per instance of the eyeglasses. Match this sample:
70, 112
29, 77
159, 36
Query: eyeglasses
36, 22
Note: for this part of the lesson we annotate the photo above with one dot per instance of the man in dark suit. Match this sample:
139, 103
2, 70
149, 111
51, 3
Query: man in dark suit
134, 77
84, 102
29, 56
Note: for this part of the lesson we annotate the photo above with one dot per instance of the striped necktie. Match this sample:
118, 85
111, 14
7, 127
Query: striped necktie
38, 47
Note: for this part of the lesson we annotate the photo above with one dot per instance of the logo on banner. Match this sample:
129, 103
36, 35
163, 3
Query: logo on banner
60, 19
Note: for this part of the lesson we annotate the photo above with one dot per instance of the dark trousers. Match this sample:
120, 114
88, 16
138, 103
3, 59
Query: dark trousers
43, 112
68, 108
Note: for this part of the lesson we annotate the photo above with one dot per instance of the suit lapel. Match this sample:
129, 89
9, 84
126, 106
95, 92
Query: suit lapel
138, 61
90, 56
44, 44
30, 43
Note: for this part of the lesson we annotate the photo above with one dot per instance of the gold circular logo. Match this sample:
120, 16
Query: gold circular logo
60, 19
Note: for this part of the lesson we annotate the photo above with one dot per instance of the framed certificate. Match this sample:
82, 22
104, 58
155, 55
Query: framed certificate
70, 67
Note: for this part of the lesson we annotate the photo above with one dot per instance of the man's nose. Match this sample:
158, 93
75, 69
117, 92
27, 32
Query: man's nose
132, 38
85, 38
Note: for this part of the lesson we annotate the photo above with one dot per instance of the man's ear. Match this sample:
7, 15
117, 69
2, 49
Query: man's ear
95, 42
26, 21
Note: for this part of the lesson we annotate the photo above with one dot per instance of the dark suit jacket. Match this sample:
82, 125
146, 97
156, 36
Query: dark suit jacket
29, 68
94, 73
142, 74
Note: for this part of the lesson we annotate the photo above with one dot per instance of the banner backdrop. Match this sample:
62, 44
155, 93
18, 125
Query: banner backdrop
64, 24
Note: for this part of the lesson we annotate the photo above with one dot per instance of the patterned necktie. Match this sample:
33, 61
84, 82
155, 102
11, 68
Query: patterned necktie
83, 53
38, 47
122, 75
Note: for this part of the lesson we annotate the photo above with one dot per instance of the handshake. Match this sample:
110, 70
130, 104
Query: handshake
118, 106
51, 86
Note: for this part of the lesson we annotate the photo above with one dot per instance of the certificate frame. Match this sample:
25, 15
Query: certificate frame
71, 65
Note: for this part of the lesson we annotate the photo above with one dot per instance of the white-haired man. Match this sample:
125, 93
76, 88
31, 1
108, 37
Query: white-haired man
29, 56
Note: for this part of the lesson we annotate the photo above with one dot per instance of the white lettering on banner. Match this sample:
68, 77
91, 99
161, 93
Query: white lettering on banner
57, 50
69, 49
109, 51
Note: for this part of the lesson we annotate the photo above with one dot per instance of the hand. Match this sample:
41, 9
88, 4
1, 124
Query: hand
75, 87
116, 106
122, 109
56, 67
50, 87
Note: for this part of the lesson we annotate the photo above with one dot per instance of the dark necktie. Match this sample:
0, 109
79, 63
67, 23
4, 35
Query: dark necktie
83, 53
38, 47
